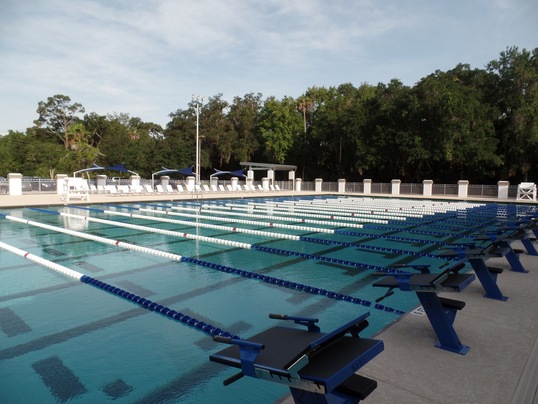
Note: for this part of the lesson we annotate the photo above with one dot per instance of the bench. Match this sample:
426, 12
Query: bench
317, 367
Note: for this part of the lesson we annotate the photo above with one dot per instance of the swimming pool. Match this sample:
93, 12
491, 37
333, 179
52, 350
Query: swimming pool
230, 263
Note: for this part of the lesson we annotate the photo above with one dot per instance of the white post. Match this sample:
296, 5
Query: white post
396, 187
427, 187
367, 186
502, 192
61, 183
198, 101
15, 183
298, 184
341, 186
319, 183
165, 180
271, 175
265, 183
190, 184
235, 181
291, 178
463, 186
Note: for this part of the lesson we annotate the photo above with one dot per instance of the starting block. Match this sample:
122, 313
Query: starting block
440, 311
317, 367
486, 275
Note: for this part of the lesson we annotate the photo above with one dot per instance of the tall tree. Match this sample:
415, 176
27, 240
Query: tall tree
57, 114
280, 126
245, 117
515, 93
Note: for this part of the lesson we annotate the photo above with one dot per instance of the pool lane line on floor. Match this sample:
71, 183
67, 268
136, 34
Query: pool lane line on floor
206, 264
168, 211
220, 218
126, 295
247, 246
408, 229
304, 219
413, 221
255, 232
272, 217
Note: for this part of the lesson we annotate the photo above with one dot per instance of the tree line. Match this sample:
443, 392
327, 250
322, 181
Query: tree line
474, 124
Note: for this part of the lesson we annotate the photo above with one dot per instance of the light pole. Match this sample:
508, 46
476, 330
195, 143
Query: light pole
198, 102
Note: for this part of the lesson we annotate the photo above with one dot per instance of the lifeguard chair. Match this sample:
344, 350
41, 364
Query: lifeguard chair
526, 190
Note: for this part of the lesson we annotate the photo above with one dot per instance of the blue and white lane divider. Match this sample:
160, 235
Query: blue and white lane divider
254, 232
270, 250
218, 267
229, 212
139, 301
305, 218
261, 233
168, 212
277, 225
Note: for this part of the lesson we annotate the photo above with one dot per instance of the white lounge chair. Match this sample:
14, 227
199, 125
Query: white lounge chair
149, 189
206, 188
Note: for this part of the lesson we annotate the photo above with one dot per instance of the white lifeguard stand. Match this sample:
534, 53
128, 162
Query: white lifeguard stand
526, 190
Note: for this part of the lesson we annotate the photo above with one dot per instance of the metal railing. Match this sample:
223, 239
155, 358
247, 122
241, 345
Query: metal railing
42, 185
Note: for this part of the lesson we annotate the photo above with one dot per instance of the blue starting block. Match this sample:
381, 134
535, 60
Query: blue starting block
520, 231
487, 275
317, 367
440, 311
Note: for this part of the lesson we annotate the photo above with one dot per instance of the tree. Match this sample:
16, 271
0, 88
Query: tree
56, 115
245, 117
280, 125
515, 94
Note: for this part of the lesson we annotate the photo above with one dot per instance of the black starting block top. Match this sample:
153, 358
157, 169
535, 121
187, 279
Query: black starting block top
309, 360
427, 282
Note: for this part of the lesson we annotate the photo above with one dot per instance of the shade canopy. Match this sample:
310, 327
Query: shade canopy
236, 173
184, 171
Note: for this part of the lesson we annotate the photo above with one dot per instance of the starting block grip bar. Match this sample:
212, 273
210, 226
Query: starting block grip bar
306, 321
240, 342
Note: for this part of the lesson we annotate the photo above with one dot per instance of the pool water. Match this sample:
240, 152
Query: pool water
62, 340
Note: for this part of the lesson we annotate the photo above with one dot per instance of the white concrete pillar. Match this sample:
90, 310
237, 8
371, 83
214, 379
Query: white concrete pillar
319, 184
15, 183
135, 180
463, 187
396, 187
298, 182
427, 187
165, 181
190, 183
100, 180
265, 183
502, 191
367, 186
341, 186
61, 183
271, 176
291, 178
235, 183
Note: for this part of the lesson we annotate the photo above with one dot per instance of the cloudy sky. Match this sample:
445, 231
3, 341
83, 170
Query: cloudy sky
148, 57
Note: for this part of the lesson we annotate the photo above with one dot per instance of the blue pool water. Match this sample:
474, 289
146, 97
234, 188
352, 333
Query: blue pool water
62, 340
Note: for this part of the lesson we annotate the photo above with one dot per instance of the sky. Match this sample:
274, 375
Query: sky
147, 58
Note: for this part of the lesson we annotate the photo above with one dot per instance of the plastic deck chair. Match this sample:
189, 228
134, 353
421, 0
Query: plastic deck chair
526, 190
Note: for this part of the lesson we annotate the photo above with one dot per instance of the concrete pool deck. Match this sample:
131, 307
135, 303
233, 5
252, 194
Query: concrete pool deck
501, 366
